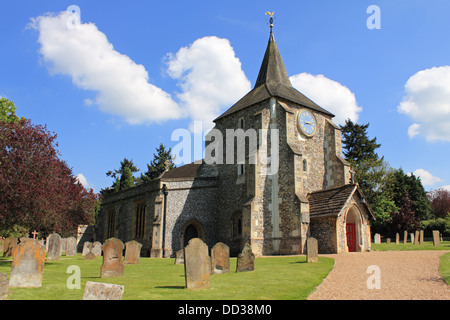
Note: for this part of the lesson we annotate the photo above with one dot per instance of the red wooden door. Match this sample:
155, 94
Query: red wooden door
351, 237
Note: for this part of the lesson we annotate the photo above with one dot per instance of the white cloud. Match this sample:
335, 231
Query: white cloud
82, 179
210, 78
85, 54
328, 94
426, 177
427, 103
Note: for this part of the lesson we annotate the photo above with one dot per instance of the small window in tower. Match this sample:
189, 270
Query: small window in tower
241, 123
305, 165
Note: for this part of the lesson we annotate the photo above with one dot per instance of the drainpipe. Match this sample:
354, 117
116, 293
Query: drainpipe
165, 193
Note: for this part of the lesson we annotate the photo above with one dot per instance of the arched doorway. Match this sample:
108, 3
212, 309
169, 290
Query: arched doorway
192, 229
353, 229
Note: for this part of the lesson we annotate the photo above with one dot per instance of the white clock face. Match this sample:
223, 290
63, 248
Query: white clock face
307, 123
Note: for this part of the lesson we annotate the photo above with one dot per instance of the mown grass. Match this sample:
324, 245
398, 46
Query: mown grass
274, 278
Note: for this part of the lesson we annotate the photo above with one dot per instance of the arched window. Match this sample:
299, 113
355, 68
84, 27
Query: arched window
192, 229
305, 165
236, 225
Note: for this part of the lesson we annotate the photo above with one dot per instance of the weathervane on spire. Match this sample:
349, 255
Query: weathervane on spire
270, 14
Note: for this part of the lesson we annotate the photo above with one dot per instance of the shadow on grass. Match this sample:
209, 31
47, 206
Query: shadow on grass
170, 287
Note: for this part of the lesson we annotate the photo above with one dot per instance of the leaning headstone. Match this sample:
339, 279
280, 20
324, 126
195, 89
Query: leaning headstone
220, 258
112, 258
411, 235
246, 259
71, 246
416, 237
377, 238
197, 265
132, 252
312, 250
27, 268
102, 291
421, 237
97, 248
87, 247
179, 257
4, 286
54, 246
405, 237
436, 238
8, 246
397, 238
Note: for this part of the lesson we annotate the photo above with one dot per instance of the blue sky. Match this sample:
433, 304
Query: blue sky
120, 80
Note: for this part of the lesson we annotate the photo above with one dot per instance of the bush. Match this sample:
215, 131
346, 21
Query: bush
441, 224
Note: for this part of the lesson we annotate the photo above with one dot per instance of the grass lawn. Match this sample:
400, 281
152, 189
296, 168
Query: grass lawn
274, 278
444, 264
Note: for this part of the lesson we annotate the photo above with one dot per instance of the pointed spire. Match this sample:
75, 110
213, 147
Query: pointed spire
272, 68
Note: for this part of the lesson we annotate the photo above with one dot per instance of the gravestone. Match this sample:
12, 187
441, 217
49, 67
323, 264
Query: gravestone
411, 235
397, 238
63, 244
112, 258
421, 237
27, 268
405, 237
246, 259
96, 248
179, 257
220, 258
54, 247
71, 246
132, 252
388, 241
4, 286
87, 247
416, 237
197, 265
377, 238
312, 250
102, 291
8, 246
436, 238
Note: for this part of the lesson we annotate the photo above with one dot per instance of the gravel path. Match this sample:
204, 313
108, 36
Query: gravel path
404, 275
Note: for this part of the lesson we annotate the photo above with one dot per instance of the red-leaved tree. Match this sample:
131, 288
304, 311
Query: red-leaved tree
405, 219
38, 191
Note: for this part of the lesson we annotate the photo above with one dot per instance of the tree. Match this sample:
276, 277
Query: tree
158, 165
123, 177
440, 202
8, 111
359, 150
405, 219
37, 189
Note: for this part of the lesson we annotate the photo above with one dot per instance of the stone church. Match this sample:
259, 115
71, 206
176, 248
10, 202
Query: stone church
311, 194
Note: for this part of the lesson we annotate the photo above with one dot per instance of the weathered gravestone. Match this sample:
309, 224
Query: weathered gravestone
246, 259
416, 237
405, 237
197, 264
102, 291
411, 235
397, 238
90, 256
87, 247
421, 237
132, 252
220, 258
8, 246
96, 248
71, 246
54, 246
63, 244
4, 286
112, 258
27, 268
179, 257
436, 238
388, 240
377, 238
312, 250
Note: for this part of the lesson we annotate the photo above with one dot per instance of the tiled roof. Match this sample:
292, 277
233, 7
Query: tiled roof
331, 201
